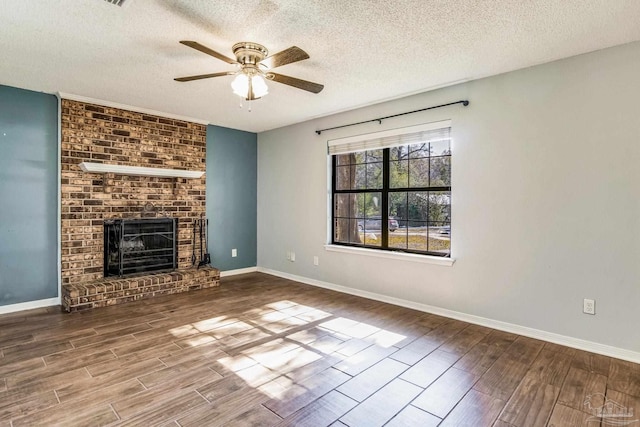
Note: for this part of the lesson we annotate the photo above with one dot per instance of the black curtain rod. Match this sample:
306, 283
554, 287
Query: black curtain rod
379, 120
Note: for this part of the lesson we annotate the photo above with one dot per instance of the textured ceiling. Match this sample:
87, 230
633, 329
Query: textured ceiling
363, 51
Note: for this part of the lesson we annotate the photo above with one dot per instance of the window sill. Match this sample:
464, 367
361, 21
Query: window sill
425, 259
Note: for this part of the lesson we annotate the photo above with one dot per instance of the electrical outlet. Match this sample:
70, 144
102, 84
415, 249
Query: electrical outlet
293, 256
288, 256
234, 252
589, 306
316, 261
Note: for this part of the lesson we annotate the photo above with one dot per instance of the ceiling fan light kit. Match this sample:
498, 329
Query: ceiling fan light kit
249, 87
250, 81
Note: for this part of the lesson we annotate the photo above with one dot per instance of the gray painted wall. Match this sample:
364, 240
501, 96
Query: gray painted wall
28, 196
231, 197
545, 204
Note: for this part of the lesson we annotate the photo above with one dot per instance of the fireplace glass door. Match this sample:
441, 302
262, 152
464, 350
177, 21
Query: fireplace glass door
134, 246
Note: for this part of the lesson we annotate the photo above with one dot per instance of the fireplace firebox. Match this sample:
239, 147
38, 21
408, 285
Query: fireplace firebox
133, 246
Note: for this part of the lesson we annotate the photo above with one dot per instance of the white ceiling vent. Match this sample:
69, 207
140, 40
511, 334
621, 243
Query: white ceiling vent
116, 2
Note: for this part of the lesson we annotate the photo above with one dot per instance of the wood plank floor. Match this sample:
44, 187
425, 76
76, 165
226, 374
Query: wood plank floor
265, 351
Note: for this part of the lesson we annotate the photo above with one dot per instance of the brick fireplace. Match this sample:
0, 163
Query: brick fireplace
99, 134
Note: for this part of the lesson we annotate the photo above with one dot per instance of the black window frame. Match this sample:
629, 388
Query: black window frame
385, 191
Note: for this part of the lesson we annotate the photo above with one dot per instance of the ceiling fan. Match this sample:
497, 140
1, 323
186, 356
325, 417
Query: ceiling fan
254, 67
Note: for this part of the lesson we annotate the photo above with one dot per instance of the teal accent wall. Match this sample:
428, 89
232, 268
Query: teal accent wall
28, 196
232, 197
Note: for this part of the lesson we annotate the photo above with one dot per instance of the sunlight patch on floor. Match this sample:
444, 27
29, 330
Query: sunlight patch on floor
199, 340
237, 363
313, 315
268, 366
184, 331
257, 375
207, 324
280, 305
386, 339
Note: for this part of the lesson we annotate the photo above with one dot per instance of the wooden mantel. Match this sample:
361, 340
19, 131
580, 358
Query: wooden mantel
138, 170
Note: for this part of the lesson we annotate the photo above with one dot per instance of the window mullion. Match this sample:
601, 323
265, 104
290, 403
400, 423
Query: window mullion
384, 213
417, 189
334, 182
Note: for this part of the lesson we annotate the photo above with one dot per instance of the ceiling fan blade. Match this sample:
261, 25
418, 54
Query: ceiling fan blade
292, 81
287, 56
204, 49
203, 76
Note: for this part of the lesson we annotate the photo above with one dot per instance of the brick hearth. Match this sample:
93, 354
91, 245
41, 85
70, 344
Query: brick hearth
94, 133
111, 291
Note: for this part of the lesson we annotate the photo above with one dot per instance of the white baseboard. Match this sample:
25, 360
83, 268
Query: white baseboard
29, 305
593, 347
238, 271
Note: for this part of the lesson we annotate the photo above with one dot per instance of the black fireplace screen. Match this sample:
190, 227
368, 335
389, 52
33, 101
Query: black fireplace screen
139, 245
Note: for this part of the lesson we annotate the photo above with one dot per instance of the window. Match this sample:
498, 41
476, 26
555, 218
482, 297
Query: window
392, 190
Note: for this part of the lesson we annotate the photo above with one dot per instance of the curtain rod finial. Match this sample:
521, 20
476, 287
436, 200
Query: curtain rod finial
465, 102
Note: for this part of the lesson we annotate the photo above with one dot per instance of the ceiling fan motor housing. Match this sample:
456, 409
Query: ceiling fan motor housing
249, 53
